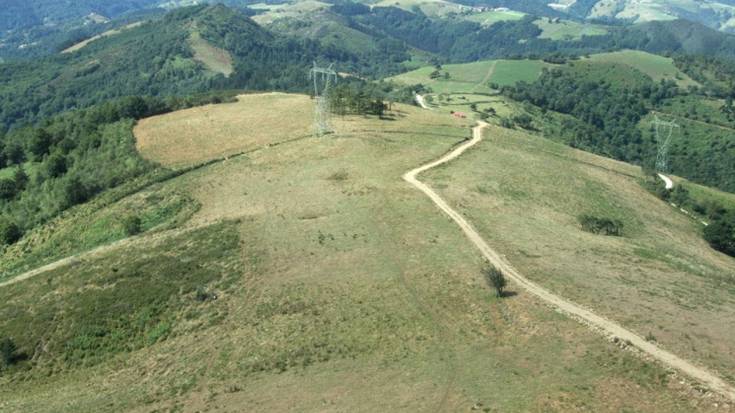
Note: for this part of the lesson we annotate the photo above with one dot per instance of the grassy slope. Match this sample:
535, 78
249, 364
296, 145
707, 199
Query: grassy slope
432, 8
175, 140
472, 77
345, 283
657, 67
524, 194
99, 222
488, 18
213, 58
567, 30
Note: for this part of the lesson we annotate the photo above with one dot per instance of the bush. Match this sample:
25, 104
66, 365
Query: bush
132, 225
602, 226
495, 279
7, 351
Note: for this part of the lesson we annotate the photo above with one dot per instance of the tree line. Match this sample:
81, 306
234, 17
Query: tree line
68, 159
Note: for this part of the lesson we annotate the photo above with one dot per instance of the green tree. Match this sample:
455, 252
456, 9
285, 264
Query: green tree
14, 153
7, 189
495, 279
55, 165
9, 231
39, 143
74, 192
680, 196
21, 179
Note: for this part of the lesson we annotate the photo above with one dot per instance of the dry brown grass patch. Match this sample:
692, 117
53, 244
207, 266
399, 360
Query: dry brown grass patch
200, 134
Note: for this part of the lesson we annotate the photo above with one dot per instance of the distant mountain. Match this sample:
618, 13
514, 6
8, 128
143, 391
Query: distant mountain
717, 14
23, 14
190, 50
33, 28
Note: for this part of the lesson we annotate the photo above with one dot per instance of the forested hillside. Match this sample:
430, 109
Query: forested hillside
157, 59
614, 118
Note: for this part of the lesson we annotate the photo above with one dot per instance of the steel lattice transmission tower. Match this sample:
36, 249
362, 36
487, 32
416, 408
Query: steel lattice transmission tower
323, 79
664, 131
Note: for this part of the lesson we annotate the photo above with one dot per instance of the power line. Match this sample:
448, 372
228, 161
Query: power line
664, 143
323, 79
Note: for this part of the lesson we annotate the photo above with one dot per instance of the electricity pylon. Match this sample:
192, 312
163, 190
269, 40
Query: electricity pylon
323, 79
664, 131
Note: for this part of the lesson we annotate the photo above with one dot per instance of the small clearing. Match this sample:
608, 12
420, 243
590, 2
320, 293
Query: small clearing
656, 67
555, 29
213, 58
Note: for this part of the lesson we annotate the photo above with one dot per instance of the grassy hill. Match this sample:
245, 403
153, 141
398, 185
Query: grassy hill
525, 194
309, 270
654, 66
713, 13
555, 29
473, 77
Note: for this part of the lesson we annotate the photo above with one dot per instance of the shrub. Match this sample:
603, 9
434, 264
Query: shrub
602, 226
7, 351
495, 279
132, 225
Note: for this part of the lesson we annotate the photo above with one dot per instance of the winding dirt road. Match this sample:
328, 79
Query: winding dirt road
422, 102
102, 250
667, 181
608, 327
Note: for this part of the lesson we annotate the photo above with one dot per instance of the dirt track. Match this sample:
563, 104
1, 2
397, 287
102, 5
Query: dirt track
422, 102
667, 181
101, 250
608, 327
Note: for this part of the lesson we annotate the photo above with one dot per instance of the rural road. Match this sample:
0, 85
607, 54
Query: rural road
669, 183
609, 328
422, 102
101, 250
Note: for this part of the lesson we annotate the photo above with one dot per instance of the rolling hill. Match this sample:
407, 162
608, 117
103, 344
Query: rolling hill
490, 222
302, 267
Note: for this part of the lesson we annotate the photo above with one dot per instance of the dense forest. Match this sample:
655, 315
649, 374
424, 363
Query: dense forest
606, 116
716, 75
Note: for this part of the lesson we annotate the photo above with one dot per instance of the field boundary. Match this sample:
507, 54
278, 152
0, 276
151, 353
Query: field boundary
607, 327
